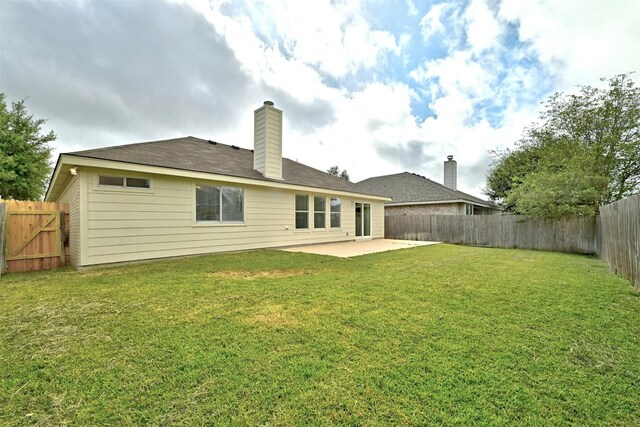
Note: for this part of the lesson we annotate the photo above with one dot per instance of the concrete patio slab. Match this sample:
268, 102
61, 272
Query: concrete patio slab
357, 247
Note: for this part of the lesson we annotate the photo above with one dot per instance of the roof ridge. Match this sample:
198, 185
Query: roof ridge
457, 193
382, 176
449, 189
317, 170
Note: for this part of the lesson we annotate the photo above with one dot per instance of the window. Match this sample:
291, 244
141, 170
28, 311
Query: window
232, 204
335, 212
468, 209
111, 180
207, 203
137, 182
302, 211
319, 211
128, 182
219, 204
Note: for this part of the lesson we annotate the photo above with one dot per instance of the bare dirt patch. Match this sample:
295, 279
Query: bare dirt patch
253, 275
273, 315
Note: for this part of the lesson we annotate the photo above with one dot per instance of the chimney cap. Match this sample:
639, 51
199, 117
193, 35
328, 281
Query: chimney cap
269, 103
450, 157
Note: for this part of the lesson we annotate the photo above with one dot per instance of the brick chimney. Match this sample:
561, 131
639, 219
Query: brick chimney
267, 143
451, 173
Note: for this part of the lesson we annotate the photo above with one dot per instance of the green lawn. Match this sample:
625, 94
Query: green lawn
436, 335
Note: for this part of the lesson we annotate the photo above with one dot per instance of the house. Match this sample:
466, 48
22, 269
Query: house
188, 196
412, 194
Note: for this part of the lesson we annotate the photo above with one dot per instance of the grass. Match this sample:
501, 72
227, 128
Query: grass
437, 335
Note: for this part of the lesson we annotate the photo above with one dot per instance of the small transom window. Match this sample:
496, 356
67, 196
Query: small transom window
137, 182
124, 182
117, 181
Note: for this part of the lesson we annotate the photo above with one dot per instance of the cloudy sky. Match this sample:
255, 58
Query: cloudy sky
375, 86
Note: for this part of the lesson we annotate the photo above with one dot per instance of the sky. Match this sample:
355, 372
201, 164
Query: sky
374, 86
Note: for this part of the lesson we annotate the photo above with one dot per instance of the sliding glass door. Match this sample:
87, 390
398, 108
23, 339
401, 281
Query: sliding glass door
363, 220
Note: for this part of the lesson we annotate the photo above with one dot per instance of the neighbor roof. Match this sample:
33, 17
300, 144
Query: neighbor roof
409, 187
201, 155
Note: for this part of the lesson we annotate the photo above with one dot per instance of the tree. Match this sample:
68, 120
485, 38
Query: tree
24, 153
335, 171
509, 166
584, 152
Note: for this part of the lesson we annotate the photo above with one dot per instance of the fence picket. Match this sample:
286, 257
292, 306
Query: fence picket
620, 239
3, 218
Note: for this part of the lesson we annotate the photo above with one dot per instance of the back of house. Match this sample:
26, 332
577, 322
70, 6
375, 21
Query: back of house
189, 196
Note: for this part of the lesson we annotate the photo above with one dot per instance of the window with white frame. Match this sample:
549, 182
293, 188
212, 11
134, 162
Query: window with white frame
319, 211
219, 204
123, 182
302, 211
232, 204
468, 209
336, 208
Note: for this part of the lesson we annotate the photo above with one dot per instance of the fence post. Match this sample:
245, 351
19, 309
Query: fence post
3, 219
63, 231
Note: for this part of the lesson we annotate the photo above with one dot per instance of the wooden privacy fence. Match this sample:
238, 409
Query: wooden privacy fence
614, 235
570, 234
621, 237
35, 235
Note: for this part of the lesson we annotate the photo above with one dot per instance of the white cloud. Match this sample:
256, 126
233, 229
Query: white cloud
376, 121
332, 37
379, 114
411, 8
334, 72
460, 82
579, 41
432, 23
483, 29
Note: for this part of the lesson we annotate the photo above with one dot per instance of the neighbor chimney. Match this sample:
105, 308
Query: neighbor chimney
451, 173
267, 145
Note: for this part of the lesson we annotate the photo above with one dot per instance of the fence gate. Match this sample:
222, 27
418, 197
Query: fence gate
35, 236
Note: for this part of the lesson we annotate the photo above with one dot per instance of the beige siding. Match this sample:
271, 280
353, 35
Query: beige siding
71, 196
259, 137
268, 141
124, 225
273, 161
377, 220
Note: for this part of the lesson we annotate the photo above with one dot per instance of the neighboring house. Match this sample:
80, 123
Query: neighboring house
189, 196
412, 193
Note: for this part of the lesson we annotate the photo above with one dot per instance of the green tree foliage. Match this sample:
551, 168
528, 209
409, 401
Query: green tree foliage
509, 166
24, 153
584, 152
335, 171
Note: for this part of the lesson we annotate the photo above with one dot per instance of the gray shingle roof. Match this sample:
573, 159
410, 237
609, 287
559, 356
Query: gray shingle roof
201, 155
408, 187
